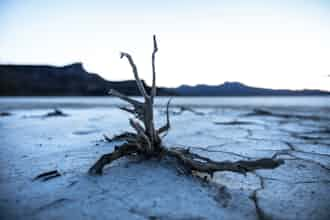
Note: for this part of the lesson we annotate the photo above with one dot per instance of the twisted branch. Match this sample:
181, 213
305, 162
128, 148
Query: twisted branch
195, 162
139, 129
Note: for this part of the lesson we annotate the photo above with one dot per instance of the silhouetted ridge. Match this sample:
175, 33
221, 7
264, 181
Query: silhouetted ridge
239, 89
69, 80
74, 80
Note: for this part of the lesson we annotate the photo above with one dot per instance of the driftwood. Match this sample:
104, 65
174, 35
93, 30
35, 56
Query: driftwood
146, 142
55, 113
47, 175
3, 114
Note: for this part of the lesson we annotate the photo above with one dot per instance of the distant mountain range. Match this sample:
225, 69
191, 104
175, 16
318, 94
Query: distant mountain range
239, 89
74, 80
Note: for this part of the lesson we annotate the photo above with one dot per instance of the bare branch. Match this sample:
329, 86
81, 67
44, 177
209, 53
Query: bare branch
136, 103
136, 75
126, 136
167, 125
153, 90
137, 112
129, 110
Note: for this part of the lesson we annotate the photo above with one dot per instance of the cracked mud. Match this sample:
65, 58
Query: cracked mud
130, 189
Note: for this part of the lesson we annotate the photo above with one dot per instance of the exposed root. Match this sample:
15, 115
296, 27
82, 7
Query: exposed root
199, 163
189, 161
123, 150
221, 151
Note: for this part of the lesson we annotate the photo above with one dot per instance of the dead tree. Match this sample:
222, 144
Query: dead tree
147, 141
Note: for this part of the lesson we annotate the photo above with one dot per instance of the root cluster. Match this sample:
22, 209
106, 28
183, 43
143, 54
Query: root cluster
147, 142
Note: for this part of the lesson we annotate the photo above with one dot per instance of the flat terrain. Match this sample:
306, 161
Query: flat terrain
31, 144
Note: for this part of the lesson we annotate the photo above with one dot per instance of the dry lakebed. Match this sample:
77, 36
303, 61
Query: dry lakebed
35, 140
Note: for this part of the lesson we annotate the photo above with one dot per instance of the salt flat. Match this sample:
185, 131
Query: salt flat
131, 189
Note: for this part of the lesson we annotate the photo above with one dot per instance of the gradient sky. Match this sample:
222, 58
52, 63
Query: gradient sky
275, 44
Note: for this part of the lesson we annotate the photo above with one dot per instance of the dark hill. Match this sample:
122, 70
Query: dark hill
74, 80
70, 80
239, 89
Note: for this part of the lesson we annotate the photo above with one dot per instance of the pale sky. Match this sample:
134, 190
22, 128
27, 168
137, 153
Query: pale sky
274, 44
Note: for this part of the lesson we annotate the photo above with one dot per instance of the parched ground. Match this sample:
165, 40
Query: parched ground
31, 144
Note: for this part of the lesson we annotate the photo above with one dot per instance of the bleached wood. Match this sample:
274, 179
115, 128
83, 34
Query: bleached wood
154, 89
114, 92
136, 75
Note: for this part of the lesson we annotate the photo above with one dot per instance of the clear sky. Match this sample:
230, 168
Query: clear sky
275, 44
